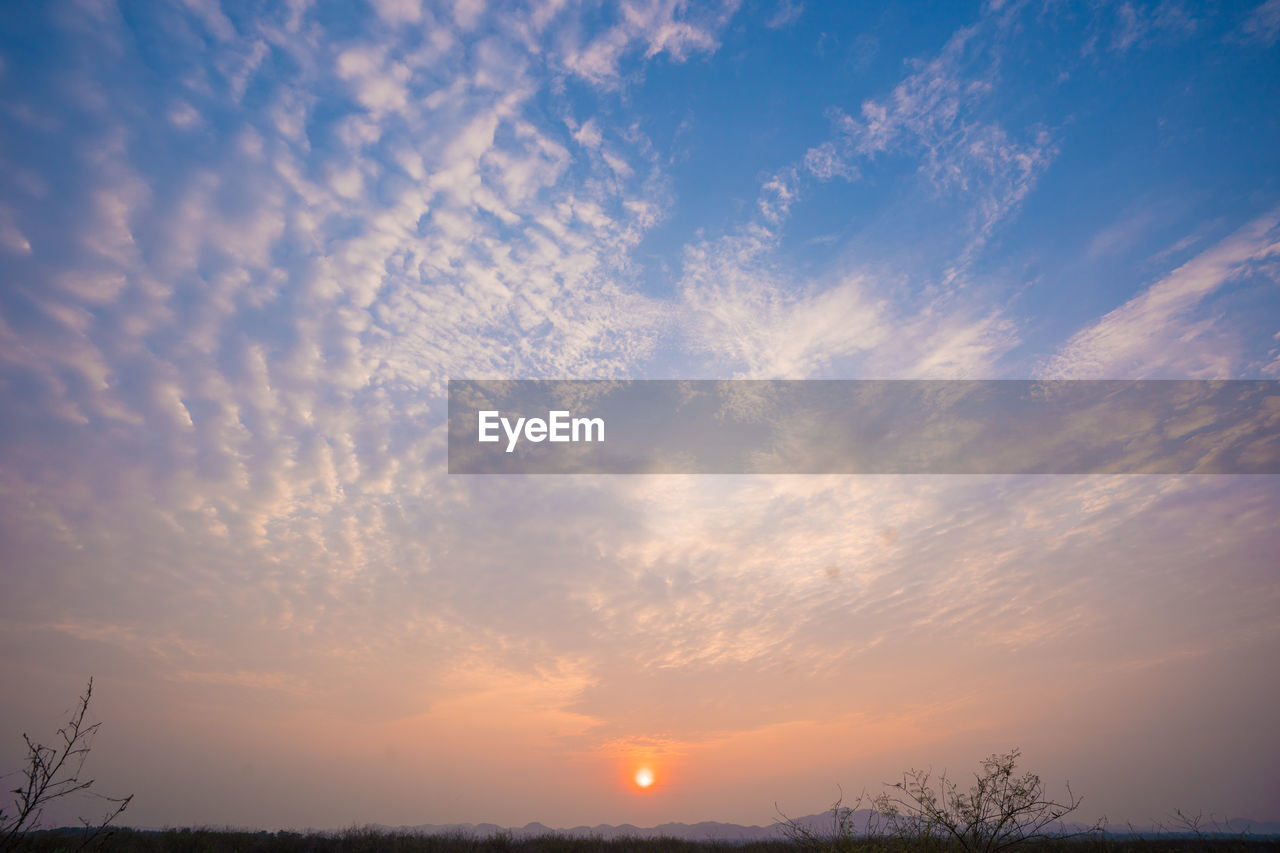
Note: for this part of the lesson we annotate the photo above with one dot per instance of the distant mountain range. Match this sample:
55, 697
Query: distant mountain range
717, 831
704, 831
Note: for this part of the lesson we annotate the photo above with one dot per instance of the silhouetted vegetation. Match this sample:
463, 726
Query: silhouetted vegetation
1000, 812
56, 772
380, 841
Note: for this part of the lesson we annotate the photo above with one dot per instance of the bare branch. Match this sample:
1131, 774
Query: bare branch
52, 773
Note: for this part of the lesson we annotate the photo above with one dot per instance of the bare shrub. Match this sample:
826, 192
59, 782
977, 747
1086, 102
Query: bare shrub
1001, 809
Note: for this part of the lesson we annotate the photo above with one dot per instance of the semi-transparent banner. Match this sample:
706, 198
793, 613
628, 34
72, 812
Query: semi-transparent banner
864, 427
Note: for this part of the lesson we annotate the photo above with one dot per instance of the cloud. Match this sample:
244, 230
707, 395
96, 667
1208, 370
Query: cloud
936, 117
760, 321
399, 11
11, 238
1263, 22
825, 163
210, 14
787, 13
183, 115
1138, 26
655, 27
467, 13
753, 321
300, 403
1162, 331
752, 318
380, 85
1121, 235
935, 113
588, 134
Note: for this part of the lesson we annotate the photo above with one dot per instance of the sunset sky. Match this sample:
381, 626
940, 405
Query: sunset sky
244, 247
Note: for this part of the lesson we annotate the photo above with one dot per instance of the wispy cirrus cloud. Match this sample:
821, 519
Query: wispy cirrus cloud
1263, 22
744, 310
1164, 331
937, 114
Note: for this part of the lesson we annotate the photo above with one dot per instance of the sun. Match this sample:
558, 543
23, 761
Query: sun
644, 777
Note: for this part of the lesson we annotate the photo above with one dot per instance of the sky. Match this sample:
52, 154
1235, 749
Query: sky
244, 246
